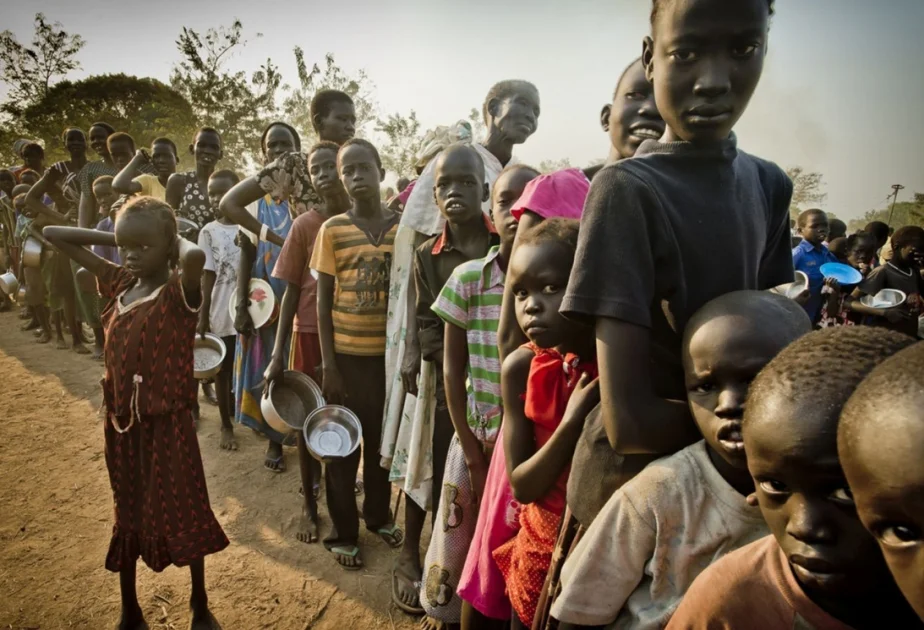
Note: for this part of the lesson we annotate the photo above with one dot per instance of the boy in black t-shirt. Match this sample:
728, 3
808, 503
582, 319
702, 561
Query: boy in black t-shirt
688, 219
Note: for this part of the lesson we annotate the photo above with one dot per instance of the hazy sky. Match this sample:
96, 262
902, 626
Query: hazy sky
842, 91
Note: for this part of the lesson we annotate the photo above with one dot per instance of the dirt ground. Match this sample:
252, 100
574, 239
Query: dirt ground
56, 510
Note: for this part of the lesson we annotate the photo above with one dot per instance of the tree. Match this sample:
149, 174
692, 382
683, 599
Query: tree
404, 140
807, 190
28, 71
550, 166
238, 106
905, 213
143, 107
297, 105
479, 129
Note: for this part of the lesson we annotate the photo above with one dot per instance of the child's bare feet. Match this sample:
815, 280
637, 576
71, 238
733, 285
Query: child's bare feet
429, 623
202, 618
308, 528
97, 353
60, 344
228, 442
79, 348
132, 620
44, 337
31, 324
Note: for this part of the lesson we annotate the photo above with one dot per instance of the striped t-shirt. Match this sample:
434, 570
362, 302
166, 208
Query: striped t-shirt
472, 300
361, 264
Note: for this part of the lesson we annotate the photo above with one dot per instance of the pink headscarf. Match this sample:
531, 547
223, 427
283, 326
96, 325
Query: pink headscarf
560, 194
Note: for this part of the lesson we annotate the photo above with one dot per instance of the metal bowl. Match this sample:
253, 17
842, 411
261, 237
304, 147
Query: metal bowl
9, 284
885, 299
21, 295
208, 355
792, 290
32, 252
286, 403
185, 227
332, 432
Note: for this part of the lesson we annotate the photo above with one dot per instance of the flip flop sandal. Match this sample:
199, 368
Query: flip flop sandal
347, 552
279, 461
393, 535
397, 600
315, 491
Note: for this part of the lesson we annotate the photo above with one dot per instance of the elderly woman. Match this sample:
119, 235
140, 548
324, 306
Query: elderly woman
411, 443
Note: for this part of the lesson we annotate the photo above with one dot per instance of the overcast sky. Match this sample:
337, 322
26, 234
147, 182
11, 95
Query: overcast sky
842, 92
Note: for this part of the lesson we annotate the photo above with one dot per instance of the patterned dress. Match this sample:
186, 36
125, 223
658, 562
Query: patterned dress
195, 204
162, 510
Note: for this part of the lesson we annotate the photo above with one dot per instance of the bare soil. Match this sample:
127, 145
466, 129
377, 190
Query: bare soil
56, 519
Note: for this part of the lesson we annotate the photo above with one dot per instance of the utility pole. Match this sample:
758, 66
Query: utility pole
895, 189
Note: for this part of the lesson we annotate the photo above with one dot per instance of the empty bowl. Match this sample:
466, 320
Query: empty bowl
32, 252
792, 290
287, 402
208, 355
844, 274
332, 432
887, 298
9, 284
185, 227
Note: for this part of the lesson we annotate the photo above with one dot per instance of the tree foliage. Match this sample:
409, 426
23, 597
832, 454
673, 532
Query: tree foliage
550, 166
28, 71
404, 140
297, 104
905, 213
237, 105
807, 190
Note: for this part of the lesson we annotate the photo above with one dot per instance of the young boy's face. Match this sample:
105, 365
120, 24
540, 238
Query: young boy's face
359, 172
705, 58
278, 142
507, 190
7, 183
163, 158
75, 143
814, 228
98, 136
722, 357
633, 117
322, 168
340, 123
912, 253
105, 196
121, 153
217, 189
861, 254
791, 443
459, 188
29, 178
206, 148
883, 464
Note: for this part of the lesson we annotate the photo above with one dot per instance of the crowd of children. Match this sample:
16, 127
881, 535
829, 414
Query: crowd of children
611, 422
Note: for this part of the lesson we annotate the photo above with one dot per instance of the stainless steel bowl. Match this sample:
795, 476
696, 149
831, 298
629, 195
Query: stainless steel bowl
9, 284
21, 296
185, 227
208, 355
332, 432
885, 299
32, 252
286, 403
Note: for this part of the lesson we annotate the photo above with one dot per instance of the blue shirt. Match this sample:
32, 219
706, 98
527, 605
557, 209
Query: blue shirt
808, 259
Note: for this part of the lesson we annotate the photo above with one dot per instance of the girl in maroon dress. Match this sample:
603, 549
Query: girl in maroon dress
162, 511
549, 386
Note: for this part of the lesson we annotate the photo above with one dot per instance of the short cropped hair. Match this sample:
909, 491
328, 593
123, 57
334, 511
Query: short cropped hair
623, 76
323, 144
206, 130
120, 136
69, 130
561, 231
905, 236
103, 179
804, 216
154, 207
362, 143
32, 148
279, 123
506, 89
324, 101
657, 5
228, 174
109, 128
879, 230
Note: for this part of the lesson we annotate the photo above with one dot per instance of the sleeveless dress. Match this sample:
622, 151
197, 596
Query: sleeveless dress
162, 510
195, 204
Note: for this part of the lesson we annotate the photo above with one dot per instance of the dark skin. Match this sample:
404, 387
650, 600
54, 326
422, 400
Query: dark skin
162, 157
339, 125
633, 115
539, 287
34, 159
511, 121
790, 438
87, 207
120, 154
217, 188
322, 168
882, 460
907, 259
146, 251
206, 149
814, 228
704, 60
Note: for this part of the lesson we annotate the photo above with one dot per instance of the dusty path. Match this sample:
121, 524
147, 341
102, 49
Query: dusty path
55, 520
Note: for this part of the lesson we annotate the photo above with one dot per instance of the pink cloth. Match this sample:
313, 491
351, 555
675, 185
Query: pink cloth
405, 194
555, 195
481, 583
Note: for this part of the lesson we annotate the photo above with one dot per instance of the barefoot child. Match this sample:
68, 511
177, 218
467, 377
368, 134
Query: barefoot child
542, 419
459, 190
683, 512
352, 257
219, 279
162, 509
820, 569
880, 442
298, 314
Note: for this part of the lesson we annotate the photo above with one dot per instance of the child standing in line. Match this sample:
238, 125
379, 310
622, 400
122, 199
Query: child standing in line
810, 254
683, 512
481, 584
820, 568
460, 190
880, 442
36, 290
106, 196
644, 263
162, 509
217, 239
858, 252
163, 158
352, 257
547, 393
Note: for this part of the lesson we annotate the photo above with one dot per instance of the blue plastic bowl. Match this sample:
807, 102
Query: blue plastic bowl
845, 274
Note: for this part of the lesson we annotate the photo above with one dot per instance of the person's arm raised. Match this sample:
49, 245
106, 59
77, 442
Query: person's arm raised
234, 207
73, 242
124, 182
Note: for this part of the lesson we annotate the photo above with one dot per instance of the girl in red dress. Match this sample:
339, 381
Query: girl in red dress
162, 511
549, 386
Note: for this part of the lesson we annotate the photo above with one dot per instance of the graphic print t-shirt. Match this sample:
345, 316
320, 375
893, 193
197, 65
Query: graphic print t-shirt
361, 264
223, 257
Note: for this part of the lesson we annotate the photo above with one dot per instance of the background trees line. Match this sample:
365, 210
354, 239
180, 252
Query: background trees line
202, 90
